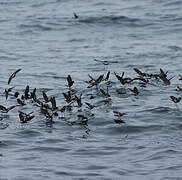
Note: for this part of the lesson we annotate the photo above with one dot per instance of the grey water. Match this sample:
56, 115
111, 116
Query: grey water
45, 40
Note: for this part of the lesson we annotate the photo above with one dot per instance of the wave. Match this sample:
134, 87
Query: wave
105, 20
37, 26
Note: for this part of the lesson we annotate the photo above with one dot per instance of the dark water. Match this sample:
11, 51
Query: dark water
47, 43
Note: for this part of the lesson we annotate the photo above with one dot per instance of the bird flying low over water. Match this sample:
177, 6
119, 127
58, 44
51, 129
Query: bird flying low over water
70, 81
75, 15
118, 114
45, 96
13, 75
24, 117
134, 90
175, 99
5, 110
101, 86
179, 89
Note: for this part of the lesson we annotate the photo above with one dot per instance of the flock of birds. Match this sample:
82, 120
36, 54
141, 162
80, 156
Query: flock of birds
48, 105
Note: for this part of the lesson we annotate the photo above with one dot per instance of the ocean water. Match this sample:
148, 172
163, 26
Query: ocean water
45, 40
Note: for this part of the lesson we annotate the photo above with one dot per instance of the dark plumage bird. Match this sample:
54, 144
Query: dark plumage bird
27, 92
123, 80
90, 106
70, 81
179, 89
118, 114
78, 100
175, 99
75, 15
24, 117
106, 94
67, 96
45, 96
13, 75
33, 94
107, 76
53, 102
163, 77
139, 72
16, 94
134, 90
7, 92
20, 102
5, 110
95, 82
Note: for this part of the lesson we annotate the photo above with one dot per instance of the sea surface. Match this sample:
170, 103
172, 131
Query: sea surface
46, 41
